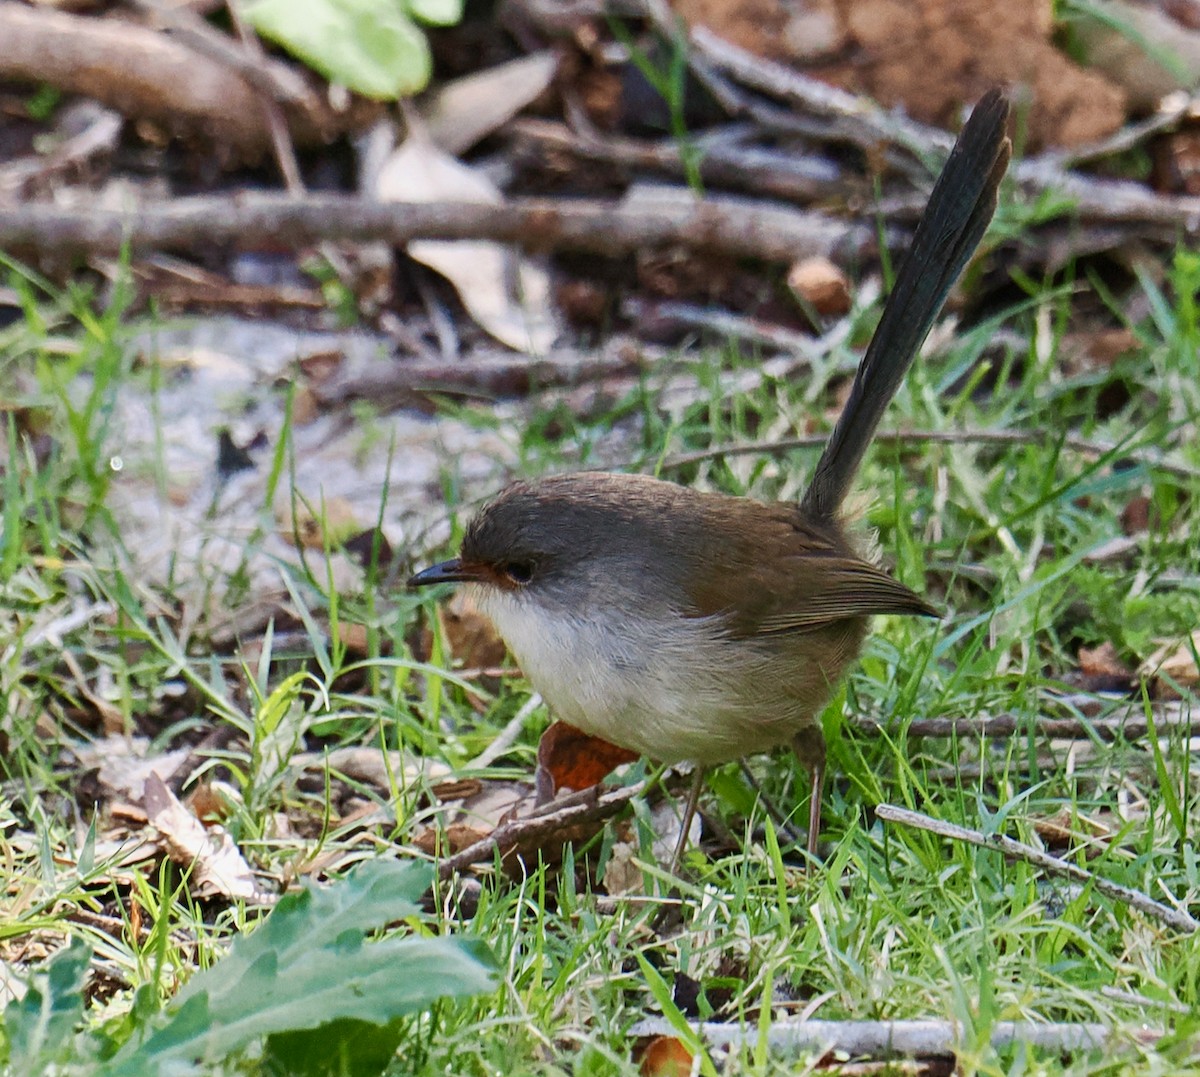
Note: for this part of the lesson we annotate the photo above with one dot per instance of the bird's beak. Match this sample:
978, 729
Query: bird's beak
451, 571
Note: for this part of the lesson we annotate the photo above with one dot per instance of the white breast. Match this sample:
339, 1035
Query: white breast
669, 688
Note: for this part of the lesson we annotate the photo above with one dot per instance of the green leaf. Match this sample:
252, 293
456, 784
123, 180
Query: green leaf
277, 705
1166, 783
687, 1035
347, 1048
436, 12
40, 1026
310, 967
369, 46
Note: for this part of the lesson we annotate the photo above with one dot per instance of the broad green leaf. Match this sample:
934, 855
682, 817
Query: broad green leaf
41, 1025
436, 12
347, 1048
369, 46
309, 966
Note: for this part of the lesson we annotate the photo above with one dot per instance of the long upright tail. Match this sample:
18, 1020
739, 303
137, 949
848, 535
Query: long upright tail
958, 213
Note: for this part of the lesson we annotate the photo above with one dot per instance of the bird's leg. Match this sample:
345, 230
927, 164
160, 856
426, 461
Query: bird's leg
689, 812
809, 745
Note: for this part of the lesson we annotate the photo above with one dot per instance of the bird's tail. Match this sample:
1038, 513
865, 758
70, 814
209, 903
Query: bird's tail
954, 221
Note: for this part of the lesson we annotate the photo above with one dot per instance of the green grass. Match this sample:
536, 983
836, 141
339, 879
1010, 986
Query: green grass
896, 924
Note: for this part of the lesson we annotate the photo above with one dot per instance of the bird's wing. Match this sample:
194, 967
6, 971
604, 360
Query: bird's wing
785, 576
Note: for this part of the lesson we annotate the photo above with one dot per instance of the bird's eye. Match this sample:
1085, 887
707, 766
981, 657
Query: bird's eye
520, 572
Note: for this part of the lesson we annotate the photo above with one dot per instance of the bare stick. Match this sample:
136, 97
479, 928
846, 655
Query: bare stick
1129, 137
887, 1039
948, 437
724, 161
736, 226
862, 122
1133, 724
1181, 921
490, 373
721, 323
144, 74
281, 139
506, 737
277, 80
581, 808
99, 138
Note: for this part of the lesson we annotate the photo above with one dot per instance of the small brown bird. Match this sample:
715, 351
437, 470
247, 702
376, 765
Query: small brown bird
696, 626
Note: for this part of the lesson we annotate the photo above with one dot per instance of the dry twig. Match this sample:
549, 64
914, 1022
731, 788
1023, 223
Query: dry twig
862, 122
883, 1039
141, 73
559, 815
724, 159
1130, 726
1135, 899
734, 226
98, 139
489, 373
1154, 460
722, 323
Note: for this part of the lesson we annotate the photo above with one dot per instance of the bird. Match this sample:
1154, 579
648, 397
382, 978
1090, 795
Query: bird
695, 626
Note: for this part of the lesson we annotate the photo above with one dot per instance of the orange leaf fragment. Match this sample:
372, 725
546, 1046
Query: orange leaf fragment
665, 1056
573, 759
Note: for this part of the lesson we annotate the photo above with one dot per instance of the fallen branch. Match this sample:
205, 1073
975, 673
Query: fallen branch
864, 123
143, 74
669, 314
886, 1039
1129, 726
859, 120
962, 773
278, 81
489, 373
507, 737
1154, 461
732, 226
559, 815
1135, 899
723, 160
97, 140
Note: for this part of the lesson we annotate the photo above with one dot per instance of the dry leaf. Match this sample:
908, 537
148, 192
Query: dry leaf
1091, 350
122, 766
508, 811
370, 766
320, 366
438, 841
819, 284
475, 816
1102, 669
573, 759
355, 638
217, 865
621, 873
1175, 662
470, 108
212, 801
665, 1056
1059, 832
1177, 162
368, 545
507, 294
471, 636
1135, 516
330, 520
493, 803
